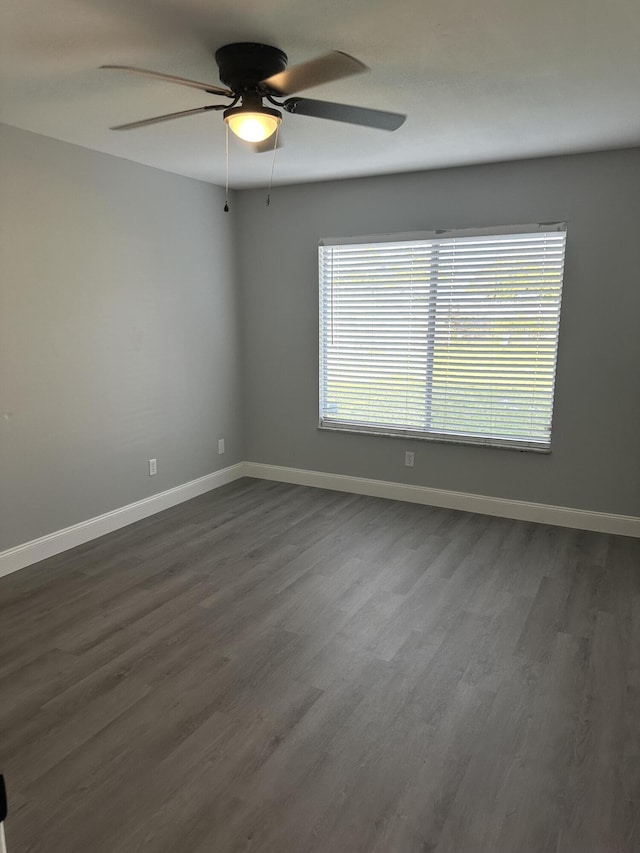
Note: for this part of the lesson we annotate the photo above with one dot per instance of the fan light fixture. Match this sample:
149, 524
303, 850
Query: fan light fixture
253, 125
251, 73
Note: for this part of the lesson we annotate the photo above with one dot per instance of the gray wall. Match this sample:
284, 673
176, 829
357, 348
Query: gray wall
595, 459
121, 336
118, 333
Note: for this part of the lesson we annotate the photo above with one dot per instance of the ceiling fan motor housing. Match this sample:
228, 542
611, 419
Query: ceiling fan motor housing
245, 64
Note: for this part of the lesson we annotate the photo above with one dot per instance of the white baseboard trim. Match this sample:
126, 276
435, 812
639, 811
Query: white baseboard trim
560, 516
61, 540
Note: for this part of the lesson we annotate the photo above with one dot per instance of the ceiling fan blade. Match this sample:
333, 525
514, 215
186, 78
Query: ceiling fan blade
323, 69
167, 117
266, 145
170, 78
379, 119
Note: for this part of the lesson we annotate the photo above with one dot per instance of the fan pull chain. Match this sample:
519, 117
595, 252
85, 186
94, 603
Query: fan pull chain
226, 183
273, 165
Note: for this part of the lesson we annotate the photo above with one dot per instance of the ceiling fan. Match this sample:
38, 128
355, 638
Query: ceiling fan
253, 73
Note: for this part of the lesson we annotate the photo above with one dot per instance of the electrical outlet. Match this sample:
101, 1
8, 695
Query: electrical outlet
408, 459
221, 445
153, 467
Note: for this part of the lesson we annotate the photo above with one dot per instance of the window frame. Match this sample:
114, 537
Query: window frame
524, 445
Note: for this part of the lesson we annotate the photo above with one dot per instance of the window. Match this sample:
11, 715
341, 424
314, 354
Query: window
451, 336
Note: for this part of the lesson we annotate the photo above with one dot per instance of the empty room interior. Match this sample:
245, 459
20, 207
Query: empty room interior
319, 427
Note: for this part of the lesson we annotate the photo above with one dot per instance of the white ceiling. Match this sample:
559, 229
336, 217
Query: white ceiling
481, 80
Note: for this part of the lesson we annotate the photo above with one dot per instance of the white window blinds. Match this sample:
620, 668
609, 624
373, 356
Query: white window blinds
451, 336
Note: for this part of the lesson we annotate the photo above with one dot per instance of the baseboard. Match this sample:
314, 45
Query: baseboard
560, 516
61, 540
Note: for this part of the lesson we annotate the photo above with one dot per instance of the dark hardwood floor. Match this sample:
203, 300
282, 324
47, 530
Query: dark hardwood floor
284, 669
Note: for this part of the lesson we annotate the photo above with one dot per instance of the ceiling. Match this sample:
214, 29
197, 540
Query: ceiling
481, 80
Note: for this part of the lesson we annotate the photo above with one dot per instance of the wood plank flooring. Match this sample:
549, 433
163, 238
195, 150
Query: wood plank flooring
281, 669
